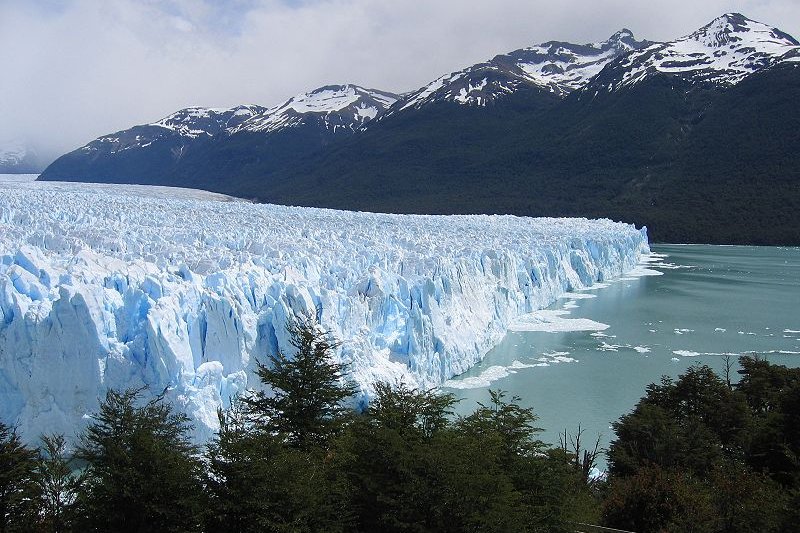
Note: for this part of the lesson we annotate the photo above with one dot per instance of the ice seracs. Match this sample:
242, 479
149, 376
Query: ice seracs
104, 286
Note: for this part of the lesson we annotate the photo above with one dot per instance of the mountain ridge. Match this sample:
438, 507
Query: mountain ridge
551, 140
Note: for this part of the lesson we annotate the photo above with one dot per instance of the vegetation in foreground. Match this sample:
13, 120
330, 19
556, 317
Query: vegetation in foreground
697, 454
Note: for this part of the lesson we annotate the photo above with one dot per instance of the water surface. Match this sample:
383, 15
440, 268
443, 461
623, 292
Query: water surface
710, 301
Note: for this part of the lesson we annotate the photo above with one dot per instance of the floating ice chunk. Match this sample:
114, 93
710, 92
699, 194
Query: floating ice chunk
595, 286
553, 321
517, 365
577, 296
686, 353
606, 347
640, 271
485, 379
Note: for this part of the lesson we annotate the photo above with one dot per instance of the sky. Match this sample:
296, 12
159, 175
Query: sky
72, 70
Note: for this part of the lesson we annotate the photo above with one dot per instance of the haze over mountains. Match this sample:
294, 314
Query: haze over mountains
696, 138
18, 157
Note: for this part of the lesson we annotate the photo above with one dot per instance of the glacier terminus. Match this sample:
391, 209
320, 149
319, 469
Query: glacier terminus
182, 291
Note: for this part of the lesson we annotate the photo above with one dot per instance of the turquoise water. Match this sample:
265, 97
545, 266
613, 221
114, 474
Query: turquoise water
710, 300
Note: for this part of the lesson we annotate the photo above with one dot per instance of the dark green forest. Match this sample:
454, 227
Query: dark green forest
702, 453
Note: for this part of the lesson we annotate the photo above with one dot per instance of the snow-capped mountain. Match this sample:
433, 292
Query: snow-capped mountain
194, 122
16, 156
723, 52
181, 127
334, 107
623, 128
12, 153
555, 67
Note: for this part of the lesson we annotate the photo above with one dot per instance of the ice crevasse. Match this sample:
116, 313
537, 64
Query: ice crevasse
117, 287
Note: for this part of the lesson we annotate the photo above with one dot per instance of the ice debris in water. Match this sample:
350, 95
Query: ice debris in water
104, 287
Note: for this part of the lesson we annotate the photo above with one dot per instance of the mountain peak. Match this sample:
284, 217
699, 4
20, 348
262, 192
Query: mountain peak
624, 38
723, 52
345, 107
554, 67
732, 28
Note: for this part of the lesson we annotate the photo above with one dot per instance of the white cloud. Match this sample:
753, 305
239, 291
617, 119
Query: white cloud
73, 71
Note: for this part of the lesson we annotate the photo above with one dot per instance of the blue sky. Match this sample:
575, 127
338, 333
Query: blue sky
76, 69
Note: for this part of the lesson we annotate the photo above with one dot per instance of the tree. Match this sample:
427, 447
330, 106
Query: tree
405, 410
412, 467
58, 485
583, 459
386, 455
733, 445
256, 482
689, 423
271, 465
513, 424
308, 389
655, 500
142, 471
18, 497
540, 478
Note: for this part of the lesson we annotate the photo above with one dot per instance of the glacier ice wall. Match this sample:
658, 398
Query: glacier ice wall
104, 286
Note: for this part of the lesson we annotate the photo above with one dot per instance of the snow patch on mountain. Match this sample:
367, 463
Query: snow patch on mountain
194, 122
116, 287
563, 67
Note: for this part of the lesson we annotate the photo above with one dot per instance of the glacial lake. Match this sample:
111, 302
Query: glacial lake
710, 300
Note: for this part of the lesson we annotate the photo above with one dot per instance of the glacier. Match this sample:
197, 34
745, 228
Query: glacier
182, 291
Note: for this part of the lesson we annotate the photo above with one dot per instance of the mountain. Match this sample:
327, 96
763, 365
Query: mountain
167, 151
693, 158
724, 52
555, 67
695, 138
17, 157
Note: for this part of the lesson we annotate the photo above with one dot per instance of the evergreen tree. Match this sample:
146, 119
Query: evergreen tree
391, 461
413, 468
58, 485
656, 500
257, 483
142, 473
271, 466
18, 495
306, 405
734, 447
